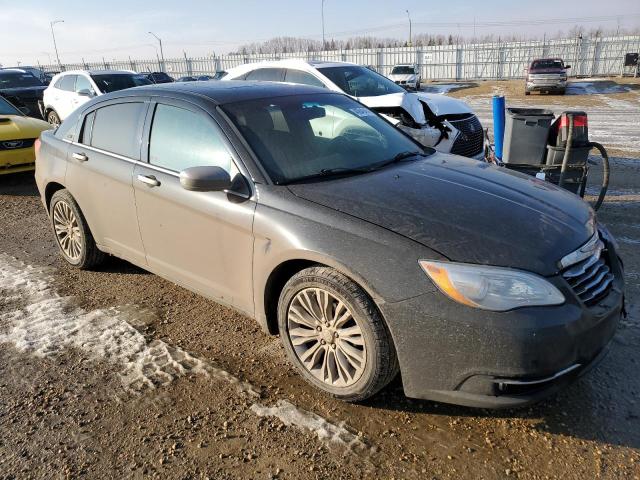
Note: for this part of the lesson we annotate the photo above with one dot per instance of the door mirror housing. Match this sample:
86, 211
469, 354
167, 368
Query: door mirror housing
567, 67
85, 92
205, 179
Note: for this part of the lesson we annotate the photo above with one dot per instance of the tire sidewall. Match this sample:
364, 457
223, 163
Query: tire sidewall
64, 196
302, 282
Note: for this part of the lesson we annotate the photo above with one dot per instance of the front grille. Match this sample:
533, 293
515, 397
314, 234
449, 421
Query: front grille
471, 139
16, 144
591, 278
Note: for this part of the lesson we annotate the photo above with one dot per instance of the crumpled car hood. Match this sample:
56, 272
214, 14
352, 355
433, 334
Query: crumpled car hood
405, 100
466, 210
443, 105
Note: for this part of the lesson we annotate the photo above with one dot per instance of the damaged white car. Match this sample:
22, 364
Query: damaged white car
438, 121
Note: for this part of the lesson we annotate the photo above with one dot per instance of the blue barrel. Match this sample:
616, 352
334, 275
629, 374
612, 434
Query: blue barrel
498, 124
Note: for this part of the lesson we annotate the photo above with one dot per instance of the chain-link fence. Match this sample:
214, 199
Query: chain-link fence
597, 56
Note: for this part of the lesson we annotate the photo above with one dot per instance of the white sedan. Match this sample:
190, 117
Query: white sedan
406, 76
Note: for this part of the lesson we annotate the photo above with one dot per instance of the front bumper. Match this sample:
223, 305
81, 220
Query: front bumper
557, 85
461, 355
19, 160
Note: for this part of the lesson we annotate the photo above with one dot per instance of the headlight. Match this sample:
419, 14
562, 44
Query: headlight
491, 288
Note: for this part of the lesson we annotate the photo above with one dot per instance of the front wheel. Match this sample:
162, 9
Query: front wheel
72, 233
334, 335
53, 118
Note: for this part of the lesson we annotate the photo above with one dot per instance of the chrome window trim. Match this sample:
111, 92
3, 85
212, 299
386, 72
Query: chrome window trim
126, 159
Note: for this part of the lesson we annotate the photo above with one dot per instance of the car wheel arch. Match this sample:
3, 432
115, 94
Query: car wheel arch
279, 276
50, 189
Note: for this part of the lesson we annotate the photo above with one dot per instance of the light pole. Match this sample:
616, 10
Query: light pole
323, 44
161, 52
409, 17
55, 46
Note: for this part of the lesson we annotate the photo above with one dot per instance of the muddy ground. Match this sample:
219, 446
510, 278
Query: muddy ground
117, 373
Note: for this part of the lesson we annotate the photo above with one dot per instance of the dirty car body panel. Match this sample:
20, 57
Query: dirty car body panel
374, 227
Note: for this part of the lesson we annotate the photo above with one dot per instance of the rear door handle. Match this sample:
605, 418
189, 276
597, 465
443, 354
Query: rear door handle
149, 180
80, 157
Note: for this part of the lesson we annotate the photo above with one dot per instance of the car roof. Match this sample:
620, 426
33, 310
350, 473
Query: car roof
96, 72
223, 92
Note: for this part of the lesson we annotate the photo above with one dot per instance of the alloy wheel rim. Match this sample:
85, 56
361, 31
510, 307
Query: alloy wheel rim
326, 337
67, 230
53, 119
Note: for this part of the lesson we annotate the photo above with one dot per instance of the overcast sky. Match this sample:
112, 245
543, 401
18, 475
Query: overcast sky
116, 29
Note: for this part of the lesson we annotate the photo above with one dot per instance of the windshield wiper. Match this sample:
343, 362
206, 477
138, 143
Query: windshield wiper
329, 172
398, 158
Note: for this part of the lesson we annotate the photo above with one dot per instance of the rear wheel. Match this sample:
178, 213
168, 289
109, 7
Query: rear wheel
527, 92
334, 335
72, 233
53, 118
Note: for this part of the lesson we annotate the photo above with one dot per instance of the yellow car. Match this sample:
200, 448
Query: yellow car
17, 136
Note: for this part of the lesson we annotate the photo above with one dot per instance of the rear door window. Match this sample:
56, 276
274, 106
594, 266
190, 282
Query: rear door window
181, 138
267, 75
303, 78
117, 128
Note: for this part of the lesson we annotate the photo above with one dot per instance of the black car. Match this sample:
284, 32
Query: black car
368, 253
22, 89
159, 77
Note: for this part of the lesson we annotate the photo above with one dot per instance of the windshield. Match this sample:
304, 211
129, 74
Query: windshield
403, 70
110, 82
360, 81
302, 136
547, 64
7, 109
18, 80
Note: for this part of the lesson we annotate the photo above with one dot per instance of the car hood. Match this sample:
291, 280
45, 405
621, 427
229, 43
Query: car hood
443, 105
402, 77
466, 210
15, 127
410, 103
24, 92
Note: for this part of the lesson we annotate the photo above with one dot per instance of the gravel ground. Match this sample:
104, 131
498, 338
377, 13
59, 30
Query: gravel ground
117, 373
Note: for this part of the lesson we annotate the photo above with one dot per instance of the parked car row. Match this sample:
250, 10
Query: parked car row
366, 251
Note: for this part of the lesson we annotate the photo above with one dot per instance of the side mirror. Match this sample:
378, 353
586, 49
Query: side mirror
205, 179
85, 92
567, 67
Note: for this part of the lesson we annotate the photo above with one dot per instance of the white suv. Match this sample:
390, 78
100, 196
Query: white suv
68, 90
434, 120
406, 76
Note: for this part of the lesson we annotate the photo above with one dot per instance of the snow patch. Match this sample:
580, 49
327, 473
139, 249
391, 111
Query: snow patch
326, 431
39, 321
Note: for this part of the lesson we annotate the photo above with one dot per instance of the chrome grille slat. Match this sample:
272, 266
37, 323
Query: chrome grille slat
600, 290
580, 268
590, 278
578, 281
596, 281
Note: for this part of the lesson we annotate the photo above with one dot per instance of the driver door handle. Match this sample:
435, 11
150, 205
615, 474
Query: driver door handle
80, 156
149, 180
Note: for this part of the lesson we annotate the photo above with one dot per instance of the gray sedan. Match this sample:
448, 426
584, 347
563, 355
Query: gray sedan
368, 253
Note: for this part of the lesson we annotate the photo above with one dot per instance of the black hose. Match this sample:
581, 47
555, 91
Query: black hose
605, 173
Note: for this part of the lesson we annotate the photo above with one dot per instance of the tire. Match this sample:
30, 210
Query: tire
562, 91
53, 118
80, 248
527, 92
417, 86
338, 374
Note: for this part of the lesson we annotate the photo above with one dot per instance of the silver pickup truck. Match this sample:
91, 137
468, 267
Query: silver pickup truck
547, 75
